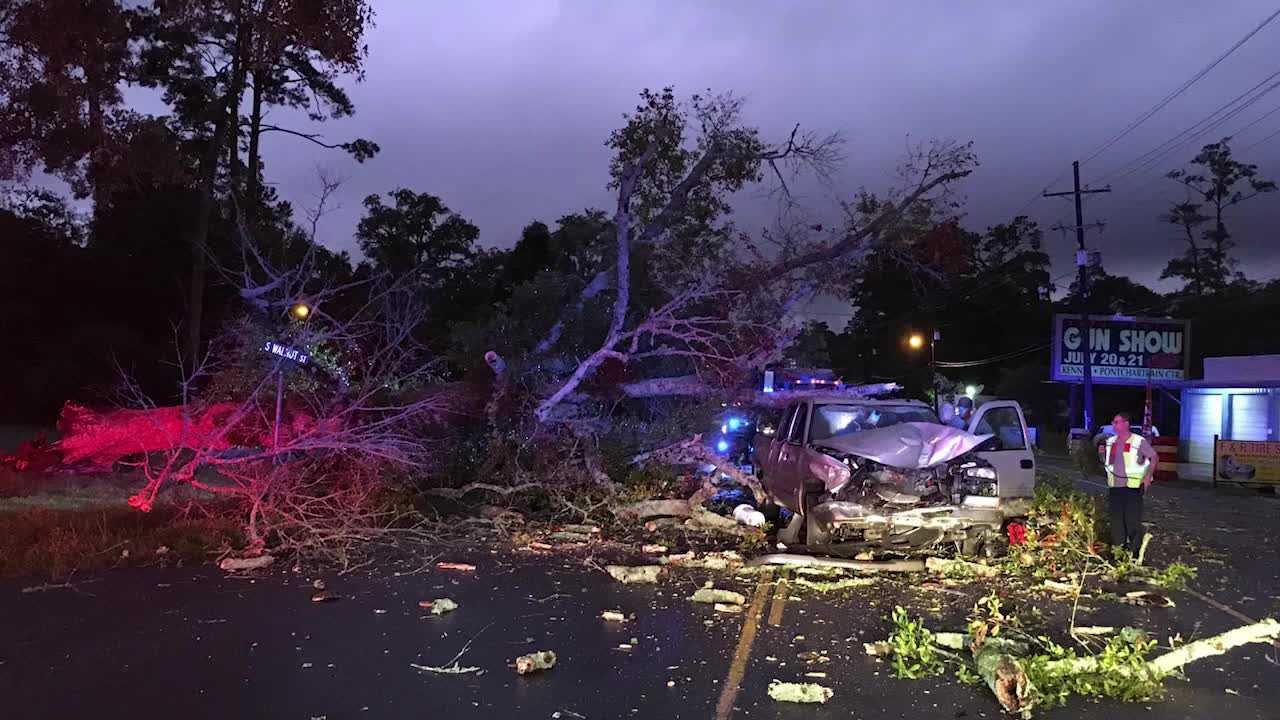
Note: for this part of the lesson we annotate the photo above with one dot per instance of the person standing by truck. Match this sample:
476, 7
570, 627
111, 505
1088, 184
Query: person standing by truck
1130, 461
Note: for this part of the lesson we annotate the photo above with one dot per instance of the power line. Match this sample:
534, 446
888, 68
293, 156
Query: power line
1181, 89
1233, 134
1274, 134
1257, 120
1206, 124
1157, 160
1157, 108
991, 360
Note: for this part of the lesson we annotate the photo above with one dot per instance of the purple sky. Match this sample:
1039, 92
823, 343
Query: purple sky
501, 108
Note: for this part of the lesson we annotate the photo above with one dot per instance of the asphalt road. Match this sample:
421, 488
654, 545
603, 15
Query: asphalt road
194, 643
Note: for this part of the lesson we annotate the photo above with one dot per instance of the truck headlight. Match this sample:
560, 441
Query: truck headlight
833, 473
981, 473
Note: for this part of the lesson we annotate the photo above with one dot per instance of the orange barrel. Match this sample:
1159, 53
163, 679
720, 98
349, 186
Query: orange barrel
1167, 449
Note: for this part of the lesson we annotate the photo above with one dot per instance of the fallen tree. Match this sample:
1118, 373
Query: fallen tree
1028, 673
672, 310
304, 412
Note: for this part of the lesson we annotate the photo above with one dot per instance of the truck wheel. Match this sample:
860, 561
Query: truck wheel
790, 535
814, 535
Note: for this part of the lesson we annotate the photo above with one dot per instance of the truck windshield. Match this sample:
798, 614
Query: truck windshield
832, 420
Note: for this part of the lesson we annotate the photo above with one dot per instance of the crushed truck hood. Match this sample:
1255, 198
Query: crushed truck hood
911, 445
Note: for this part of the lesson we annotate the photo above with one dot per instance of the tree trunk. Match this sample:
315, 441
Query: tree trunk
255, 138
204, 212
97, 136
1197, 284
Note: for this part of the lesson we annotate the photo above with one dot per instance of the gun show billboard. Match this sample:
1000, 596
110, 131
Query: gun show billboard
1122, 350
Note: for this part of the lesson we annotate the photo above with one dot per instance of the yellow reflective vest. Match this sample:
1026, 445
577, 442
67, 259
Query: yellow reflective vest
1135, 463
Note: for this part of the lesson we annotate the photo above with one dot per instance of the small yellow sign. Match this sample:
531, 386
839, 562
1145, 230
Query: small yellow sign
1246, 461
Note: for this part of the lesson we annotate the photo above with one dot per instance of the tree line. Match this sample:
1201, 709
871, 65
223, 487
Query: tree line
174, 195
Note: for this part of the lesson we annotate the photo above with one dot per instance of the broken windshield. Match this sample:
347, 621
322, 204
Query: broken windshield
843, 419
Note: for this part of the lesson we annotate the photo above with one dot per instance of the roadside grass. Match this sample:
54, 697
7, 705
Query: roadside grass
54, 542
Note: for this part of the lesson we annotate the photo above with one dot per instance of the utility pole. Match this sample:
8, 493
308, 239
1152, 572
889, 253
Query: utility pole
1082, 262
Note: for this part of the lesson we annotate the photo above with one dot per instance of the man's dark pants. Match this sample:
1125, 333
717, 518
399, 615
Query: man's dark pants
1126, 517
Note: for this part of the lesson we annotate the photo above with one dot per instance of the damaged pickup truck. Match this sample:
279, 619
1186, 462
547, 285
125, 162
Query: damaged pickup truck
888, 474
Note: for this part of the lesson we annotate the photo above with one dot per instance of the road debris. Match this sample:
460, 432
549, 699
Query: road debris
1025, 676
646, 509
727, 608
749, 516
869, 566
324, 596
461, 567
318, 584
535, 662
653, 549
1093, 630
613, 616
711, 561
714, 595
1147, 598
232, 564
878, 649
581, 529
439, 606
452, 667
1060, 588
635, 574
799, 692
948, 566
833, 585
569, 537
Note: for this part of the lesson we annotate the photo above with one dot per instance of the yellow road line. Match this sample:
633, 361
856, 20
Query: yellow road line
779, 602
738, 666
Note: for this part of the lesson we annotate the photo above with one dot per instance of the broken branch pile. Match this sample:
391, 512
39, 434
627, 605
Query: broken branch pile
1030, 673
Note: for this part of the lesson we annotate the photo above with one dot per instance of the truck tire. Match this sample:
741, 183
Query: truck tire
790, 535
815, 536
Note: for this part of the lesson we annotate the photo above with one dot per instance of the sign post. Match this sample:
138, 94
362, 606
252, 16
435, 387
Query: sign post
286, 354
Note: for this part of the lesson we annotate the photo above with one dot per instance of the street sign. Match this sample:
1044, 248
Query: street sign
1122, 350
286, 352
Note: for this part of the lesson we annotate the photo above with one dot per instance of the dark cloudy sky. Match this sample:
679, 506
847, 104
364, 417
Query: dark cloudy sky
501, 108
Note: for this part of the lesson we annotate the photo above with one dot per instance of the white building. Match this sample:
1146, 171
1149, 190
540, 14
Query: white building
1238, 399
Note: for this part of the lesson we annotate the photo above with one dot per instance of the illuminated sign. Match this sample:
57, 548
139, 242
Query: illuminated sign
1246, 461
288, 353
1122, 350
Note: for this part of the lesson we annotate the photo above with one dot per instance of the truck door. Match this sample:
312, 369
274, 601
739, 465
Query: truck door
1009, 452
791, 460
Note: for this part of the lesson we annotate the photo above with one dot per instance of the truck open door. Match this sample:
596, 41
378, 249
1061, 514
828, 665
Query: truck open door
1009, 452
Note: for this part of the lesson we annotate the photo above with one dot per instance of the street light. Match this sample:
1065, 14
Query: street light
916, 341
971, 391
300, 311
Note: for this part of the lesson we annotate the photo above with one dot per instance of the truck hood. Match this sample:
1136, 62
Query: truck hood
910, 445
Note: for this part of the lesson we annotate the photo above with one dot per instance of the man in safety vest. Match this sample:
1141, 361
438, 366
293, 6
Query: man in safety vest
1130, 461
